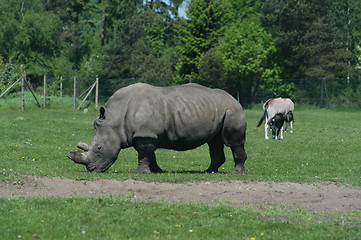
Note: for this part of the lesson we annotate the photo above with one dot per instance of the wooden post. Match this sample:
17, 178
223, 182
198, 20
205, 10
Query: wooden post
87, 95
61, 86
44, 92
22, 93
74, 92
96, 93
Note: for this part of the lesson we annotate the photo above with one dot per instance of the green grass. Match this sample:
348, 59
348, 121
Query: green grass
122, 218
325, 146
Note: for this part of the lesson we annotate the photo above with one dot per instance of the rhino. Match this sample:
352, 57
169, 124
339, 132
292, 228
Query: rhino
180, 117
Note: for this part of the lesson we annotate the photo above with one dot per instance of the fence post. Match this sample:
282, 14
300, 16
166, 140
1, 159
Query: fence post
44, 92
75, 93
22, 93
96, 93
61, 86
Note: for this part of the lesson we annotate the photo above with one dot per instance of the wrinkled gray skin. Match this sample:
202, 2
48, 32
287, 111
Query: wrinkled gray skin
178, 117
276, 112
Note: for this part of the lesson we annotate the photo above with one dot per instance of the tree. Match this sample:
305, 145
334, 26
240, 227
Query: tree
200, 33
315, 38
28, 35
246, 51
244, 57
138, 40
81, 29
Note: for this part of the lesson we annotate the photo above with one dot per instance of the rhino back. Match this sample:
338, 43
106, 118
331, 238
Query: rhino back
180, 117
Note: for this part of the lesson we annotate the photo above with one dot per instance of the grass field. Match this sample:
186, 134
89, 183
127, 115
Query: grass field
120, 218
324, 147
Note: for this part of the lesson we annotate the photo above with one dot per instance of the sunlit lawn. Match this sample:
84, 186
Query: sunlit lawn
324, 147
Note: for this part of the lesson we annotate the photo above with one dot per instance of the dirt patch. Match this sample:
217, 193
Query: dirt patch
318, 197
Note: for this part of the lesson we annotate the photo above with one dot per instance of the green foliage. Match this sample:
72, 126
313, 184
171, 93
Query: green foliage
246, 48
28, 36
315, 39
277, 88
246, 51
242, 46
350, 97
200, 33
8, 74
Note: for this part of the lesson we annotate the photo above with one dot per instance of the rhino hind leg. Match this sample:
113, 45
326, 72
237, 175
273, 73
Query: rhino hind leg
147, 162
239, 156
216, 152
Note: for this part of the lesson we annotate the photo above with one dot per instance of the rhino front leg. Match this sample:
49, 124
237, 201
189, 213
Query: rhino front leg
216, 152
147, 162
239, 156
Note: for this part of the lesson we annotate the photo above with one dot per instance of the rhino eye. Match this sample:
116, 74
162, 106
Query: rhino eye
98, 149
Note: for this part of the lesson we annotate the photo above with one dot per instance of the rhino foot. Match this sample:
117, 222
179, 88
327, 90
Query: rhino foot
239, 171
149, 170
156, 169
143, 170
211, 171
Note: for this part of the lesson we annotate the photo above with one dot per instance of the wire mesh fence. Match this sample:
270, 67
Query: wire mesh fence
320, 92
324, 92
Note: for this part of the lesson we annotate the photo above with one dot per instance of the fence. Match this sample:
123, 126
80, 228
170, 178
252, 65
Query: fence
319, 92
55, 87
324, 92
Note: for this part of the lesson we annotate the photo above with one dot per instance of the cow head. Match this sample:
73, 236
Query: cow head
104, 149
276, 124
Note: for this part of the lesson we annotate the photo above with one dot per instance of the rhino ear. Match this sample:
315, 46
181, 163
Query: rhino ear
102, 113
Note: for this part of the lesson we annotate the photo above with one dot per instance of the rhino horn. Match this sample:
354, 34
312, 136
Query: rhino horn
78, 157
83, 146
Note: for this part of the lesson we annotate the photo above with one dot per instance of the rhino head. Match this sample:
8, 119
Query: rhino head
104, 149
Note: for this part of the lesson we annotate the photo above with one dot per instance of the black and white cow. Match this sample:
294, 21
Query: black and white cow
276, 112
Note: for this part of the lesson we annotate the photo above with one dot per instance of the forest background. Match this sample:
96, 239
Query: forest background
254, 49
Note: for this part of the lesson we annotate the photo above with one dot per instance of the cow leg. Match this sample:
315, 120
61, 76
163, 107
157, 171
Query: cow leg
287, 123
239, 156
147, 162
291, 121
266, 128
281, 137
266, 131
216, 152
291, 126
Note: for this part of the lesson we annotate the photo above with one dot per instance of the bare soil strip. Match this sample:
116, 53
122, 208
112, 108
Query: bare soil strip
327, 197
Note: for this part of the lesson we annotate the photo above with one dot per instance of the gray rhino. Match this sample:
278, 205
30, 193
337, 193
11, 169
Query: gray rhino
176, 117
